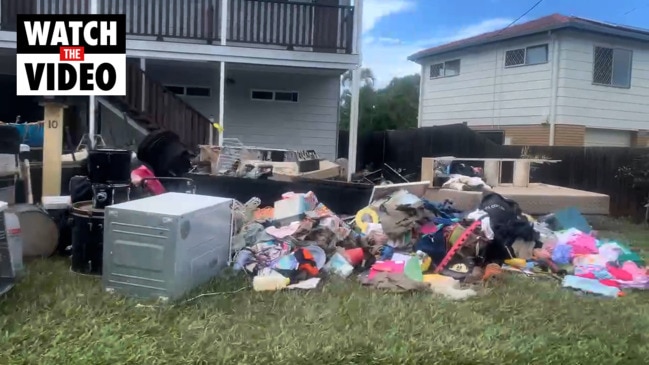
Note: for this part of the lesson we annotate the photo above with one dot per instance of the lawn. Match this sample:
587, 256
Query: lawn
57, 317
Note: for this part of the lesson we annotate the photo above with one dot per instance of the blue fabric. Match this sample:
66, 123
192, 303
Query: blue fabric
572, 218
433, 245
31, 134
445, 221
590, 286
561, 254
442, 210
387, 252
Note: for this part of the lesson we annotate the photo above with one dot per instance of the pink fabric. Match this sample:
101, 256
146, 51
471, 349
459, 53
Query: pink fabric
386, 266
583, 244
609, 282
429, 229
283, 232
638, 274
619, 274
153, 186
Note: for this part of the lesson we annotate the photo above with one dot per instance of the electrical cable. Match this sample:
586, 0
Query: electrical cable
519, 18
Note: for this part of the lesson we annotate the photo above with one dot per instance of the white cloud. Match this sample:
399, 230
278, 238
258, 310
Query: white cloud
387, 57
374, 10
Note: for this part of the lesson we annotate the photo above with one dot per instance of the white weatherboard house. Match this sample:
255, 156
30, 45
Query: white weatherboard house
269, 70
557, 80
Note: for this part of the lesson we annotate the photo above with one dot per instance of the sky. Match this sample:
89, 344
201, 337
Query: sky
395, 29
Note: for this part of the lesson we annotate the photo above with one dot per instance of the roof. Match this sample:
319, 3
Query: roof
541, 25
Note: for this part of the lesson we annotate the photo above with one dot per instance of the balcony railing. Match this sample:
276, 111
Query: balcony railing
272, 23
163, 108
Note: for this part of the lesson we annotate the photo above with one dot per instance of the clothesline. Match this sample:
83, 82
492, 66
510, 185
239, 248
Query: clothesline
26, 123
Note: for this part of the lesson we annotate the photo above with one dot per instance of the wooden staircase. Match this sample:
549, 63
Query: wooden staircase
154, 107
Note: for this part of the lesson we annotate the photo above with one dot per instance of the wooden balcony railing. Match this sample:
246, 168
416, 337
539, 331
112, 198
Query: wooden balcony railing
279, 23
154, 103
189, 19
325, 28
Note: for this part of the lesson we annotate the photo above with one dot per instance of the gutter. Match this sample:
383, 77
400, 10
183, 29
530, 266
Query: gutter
554, 85
607, 30
422, 96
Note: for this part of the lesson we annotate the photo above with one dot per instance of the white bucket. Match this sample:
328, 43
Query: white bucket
15, 242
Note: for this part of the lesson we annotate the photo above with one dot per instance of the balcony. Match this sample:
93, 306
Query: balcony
280, 24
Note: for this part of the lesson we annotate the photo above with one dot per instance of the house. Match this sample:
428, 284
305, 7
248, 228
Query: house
558, 80
267, 70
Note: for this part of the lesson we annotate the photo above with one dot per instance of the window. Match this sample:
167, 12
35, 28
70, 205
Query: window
527, 56
198, 91
178, 90
205, 92
445, 69
285, 96
612, 67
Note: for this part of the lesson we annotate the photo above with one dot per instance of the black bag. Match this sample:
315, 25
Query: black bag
508, 224
9, 140
500, 209
80, 189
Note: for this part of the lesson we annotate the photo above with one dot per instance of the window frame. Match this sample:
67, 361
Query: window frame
613, 48
443, 69
274, 98
185, 87
544, 45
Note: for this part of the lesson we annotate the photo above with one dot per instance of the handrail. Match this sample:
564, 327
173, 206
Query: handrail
309, 26
165, 109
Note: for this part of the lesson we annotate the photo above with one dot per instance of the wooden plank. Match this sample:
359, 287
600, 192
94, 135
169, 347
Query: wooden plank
52, 148
428, 170
531, 160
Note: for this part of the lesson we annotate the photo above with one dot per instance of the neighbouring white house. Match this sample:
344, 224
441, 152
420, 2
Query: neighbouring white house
557, 80
267, 70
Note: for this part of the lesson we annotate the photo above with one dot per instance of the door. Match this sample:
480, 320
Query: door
607, 138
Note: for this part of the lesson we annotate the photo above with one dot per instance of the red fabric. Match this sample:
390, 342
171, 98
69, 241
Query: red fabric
618, 273
609, 282
153, 186
588, 275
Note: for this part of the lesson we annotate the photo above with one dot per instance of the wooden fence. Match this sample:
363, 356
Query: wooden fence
594, 169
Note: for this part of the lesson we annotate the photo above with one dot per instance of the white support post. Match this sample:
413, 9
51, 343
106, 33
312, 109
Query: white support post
211, 131
224, 37
92, 102
221, 101
224, 21
358, 27
143, 68
356, 86
353, 123
92, 122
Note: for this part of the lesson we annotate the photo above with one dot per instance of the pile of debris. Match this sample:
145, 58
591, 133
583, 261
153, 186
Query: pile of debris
403, 242
233, 158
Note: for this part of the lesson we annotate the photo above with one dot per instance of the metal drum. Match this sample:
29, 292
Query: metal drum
40, 233
109, 166
87, 238
104, 195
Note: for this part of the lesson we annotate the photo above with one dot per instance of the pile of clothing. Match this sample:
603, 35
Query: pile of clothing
595, 265
403, 243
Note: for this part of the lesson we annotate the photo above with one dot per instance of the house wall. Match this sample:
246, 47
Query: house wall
596, 106
201, 74
311, 123
485, 92
539, 135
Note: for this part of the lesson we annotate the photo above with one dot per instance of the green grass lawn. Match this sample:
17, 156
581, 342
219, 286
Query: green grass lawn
57, 317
